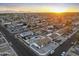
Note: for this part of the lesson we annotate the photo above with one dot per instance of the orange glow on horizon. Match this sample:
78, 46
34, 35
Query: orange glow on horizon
55, 9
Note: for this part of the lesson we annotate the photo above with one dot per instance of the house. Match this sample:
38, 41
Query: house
26, 33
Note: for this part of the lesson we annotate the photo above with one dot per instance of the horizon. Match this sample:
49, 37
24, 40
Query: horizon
38, 7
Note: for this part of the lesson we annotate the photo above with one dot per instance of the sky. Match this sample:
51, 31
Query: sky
39, 7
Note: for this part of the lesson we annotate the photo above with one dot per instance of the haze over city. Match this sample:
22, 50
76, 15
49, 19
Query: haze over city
39, 7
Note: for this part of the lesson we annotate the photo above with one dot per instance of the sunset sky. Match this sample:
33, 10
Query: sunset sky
39, 7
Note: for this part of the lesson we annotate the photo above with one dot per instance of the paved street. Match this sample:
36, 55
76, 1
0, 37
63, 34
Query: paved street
19, 48
65, 46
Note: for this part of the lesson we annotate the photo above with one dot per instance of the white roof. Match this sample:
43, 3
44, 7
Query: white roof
26, 33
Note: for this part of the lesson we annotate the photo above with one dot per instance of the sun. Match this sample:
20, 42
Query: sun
58, 9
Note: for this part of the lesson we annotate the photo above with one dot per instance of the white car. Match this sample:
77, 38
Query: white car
63, 53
